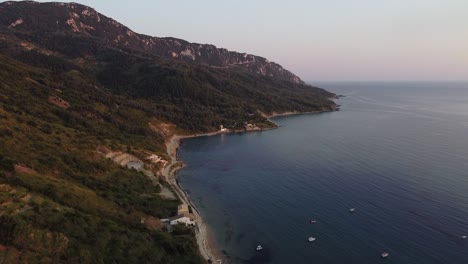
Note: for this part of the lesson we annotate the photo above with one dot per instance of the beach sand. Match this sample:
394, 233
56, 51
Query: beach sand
204, 239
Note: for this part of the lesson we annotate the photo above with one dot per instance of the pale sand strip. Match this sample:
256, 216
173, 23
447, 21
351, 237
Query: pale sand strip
207, 249
205, 241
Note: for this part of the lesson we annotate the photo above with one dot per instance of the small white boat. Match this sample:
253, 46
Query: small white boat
384, 254
312, 221
259, 247
463, 237
311, 239
352, 210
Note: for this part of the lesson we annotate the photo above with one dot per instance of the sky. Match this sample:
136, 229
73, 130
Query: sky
319, 40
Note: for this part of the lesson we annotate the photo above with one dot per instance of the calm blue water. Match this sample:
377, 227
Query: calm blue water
397, 152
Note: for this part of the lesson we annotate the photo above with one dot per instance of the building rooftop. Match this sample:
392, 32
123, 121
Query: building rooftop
181, 216
183, 208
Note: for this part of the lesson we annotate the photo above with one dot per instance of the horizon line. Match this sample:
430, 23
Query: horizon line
432, 81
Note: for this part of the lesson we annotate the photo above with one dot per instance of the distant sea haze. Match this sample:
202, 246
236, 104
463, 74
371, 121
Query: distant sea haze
396, 152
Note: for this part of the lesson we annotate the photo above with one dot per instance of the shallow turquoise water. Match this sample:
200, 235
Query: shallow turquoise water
397, 152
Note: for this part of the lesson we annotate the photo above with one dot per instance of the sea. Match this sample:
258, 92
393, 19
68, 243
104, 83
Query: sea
396, 152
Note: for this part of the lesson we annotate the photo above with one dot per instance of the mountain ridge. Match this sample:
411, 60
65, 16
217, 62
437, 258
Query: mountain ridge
70, 101
82, 19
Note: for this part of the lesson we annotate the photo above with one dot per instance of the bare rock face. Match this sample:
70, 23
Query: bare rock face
34, 17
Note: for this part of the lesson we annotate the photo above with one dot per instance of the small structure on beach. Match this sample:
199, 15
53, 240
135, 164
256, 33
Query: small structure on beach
183, 209
222, 128
181, 219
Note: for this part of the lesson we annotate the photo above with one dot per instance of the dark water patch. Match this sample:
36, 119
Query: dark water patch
395, 152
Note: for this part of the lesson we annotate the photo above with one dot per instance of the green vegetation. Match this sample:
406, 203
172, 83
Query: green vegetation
64, 96
82, 207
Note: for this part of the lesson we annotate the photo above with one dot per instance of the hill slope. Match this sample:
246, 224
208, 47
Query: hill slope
70, 97
86, 21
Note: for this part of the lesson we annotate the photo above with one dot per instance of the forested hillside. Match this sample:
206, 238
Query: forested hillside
67, 98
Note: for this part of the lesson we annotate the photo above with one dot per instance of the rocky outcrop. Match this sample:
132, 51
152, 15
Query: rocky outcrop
84, 20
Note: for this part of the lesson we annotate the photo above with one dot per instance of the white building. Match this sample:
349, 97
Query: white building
181, 219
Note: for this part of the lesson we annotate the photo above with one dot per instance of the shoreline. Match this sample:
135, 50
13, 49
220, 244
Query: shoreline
203, 237
206, 245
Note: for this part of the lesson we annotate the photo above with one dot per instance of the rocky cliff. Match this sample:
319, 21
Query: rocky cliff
79, 19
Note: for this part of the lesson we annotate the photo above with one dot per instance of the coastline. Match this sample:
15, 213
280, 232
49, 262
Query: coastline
207, 246
205, 242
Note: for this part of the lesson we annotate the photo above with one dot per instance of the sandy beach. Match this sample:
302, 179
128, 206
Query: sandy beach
206, 246
204, 239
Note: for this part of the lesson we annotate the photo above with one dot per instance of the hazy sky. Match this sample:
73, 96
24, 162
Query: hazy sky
318, 40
